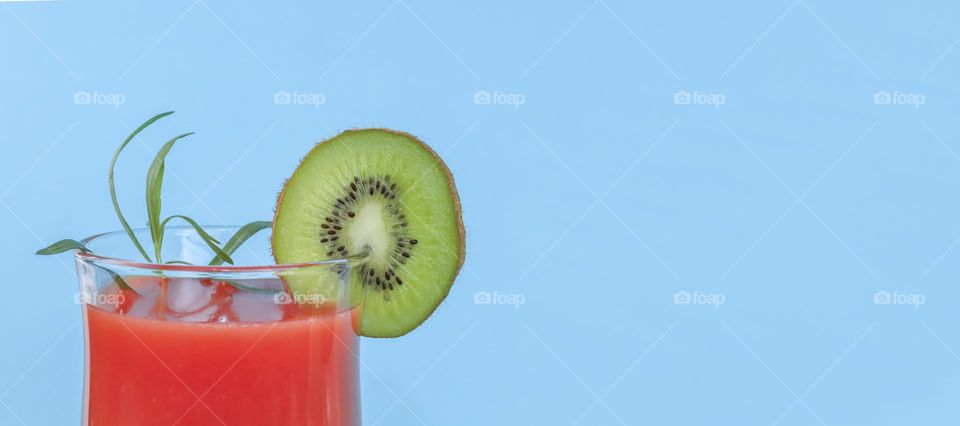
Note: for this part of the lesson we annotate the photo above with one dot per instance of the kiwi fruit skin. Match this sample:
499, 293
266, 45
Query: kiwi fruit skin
373, 327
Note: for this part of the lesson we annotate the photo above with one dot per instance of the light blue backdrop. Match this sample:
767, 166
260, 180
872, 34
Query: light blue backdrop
687, 213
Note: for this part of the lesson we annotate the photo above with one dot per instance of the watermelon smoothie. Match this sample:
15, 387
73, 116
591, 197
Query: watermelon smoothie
175, 337
216, 345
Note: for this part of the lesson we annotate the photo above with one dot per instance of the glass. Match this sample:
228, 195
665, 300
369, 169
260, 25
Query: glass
176, 344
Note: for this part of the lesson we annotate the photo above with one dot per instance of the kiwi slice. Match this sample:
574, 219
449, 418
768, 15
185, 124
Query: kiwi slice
385, 193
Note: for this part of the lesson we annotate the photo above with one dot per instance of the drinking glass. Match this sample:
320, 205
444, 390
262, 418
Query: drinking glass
190, 343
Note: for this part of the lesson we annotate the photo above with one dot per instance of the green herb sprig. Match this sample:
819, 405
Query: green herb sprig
154, 186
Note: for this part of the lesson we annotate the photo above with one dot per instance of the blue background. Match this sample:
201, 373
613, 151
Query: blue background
597, 201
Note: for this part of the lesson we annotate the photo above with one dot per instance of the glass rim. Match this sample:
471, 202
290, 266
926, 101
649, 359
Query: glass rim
201, 269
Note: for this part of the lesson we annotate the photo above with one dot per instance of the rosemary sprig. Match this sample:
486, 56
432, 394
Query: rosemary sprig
62, 246
207, 238
113, 187
240, 237
154, 186
68, 244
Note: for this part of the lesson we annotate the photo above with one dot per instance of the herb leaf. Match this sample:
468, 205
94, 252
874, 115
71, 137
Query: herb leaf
240, 237
154, 186
207, 238
249, 289
62, 246
121, 284
113, 188
68, 244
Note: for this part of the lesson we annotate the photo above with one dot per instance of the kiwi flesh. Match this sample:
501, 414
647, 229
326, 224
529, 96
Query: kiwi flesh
386, 194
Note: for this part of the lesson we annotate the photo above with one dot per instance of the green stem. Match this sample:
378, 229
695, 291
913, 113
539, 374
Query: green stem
113, 187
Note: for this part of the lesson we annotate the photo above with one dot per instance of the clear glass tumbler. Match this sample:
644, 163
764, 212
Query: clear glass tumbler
178, 344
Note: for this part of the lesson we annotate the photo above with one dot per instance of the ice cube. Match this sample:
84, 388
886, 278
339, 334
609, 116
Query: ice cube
188, 295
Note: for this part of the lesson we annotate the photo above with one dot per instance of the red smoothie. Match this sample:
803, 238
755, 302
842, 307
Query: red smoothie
189, 352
